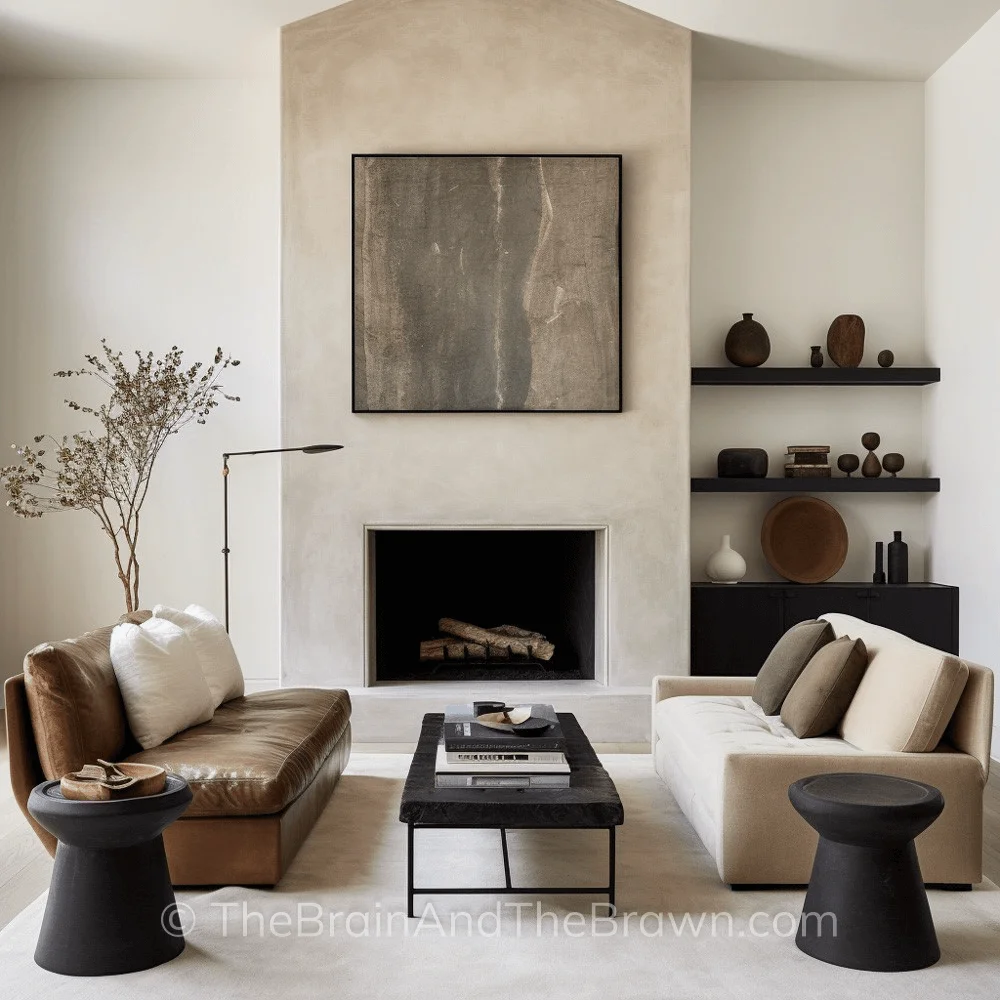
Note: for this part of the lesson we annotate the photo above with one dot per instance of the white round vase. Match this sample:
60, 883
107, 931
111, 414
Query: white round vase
726, 565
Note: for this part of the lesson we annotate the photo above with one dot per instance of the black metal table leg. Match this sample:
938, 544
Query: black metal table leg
506, 855
611, 868
508, 888
409, 869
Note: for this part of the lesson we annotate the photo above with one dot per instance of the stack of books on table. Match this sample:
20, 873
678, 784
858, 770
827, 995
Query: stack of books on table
471, 755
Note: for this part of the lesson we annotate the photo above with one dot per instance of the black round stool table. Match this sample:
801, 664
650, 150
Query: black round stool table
111, 907
866, 871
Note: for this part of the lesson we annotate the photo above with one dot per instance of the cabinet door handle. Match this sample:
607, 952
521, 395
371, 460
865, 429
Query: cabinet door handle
862, 593
874, 595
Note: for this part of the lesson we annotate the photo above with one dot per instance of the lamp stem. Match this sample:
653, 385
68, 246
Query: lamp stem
225, 529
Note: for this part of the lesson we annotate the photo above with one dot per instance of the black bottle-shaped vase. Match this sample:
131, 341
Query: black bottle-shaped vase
879, 575
899, 559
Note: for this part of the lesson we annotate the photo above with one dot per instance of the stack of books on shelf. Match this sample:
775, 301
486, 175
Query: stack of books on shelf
808, 461
471, 755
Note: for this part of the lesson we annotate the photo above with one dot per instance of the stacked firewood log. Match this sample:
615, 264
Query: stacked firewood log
462, 641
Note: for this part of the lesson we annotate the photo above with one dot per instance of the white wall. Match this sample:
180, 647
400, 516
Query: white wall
963, 251
148, 213
807, 201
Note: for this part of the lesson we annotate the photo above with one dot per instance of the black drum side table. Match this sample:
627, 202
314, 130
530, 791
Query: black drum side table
111, 907
866, 871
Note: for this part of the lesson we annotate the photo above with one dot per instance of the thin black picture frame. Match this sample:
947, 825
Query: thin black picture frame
354, 325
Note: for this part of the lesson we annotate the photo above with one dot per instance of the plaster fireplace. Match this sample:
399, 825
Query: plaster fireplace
548, 582
561, 87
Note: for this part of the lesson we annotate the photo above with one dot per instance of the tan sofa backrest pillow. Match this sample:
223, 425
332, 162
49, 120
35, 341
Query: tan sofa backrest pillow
76, 707
908, 693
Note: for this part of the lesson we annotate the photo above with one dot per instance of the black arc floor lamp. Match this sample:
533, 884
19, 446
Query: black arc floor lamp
309, 449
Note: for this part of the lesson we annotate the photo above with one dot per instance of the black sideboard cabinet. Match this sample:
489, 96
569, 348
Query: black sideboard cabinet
735, 626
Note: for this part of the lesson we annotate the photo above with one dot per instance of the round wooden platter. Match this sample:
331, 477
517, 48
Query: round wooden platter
804, 539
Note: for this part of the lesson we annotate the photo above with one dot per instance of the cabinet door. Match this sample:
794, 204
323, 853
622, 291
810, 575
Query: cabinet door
926, 614
810, 601
733, 628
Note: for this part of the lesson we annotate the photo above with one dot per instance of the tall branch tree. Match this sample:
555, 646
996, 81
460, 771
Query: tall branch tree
108, 472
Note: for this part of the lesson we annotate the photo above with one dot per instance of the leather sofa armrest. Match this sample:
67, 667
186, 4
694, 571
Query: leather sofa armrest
25, 769
665, 686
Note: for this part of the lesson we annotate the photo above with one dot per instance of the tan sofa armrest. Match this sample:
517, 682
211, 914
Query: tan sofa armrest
25, 770
765, 840
971, 726
674, 687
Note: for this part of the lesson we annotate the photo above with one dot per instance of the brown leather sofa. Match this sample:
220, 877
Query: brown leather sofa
262, 770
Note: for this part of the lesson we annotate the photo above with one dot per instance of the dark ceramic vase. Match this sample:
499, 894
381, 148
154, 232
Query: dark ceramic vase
747, 343
879, 575
816, 358
742, 463
899, 559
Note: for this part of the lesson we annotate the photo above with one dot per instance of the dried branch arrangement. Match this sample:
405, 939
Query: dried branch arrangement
108, 472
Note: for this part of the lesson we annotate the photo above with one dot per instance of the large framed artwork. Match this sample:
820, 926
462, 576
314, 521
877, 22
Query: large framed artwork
487, 283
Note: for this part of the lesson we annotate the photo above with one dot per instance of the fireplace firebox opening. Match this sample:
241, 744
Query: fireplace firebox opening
483, 604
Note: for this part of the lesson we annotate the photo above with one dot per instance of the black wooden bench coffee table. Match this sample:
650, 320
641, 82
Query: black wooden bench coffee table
590, 803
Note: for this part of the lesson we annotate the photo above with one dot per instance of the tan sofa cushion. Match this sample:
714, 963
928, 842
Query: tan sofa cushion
258, 753
786, 661
908, 693
76, 708
825, 687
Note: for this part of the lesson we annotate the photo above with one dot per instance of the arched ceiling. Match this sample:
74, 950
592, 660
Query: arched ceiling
737, 39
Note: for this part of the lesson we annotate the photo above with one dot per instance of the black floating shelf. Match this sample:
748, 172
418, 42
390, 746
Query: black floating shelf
815, 376
854, 484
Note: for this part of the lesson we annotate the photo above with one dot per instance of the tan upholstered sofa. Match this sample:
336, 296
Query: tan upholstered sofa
261, 770
729, 766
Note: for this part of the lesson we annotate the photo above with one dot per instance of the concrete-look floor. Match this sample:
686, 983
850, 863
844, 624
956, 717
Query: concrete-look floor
25, 866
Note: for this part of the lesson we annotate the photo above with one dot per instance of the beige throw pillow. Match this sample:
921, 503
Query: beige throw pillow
906, 698
825, 687
787, 660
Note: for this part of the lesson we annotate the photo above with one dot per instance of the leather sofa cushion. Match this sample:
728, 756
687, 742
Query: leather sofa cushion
258, 753
820, 696
76, 707
786, 661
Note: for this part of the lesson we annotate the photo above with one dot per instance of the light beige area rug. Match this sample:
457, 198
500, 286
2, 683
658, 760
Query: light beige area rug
336, 925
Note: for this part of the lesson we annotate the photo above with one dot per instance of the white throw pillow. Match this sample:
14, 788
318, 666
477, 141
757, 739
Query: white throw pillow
162, 685
215, 650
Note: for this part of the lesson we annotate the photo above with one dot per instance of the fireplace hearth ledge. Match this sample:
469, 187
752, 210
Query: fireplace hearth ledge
391, 713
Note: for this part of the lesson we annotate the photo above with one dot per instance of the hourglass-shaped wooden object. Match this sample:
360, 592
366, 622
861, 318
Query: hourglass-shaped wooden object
872, 467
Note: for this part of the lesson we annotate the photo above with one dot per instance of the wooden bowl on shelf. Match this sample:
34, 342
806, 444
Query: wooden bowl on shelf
804, 539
